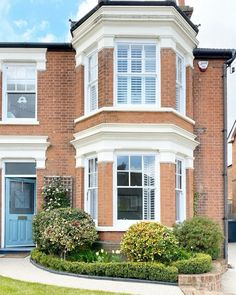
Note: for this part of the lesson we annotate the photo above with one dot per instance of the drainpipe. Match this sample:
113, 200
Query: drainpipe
227, 64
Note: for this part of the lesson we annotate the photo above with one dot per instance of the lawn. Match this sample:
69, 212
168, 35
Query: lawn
9, 286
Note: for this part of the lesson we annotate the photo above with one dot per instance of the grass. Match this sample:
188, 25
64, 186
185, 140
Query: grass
9, 286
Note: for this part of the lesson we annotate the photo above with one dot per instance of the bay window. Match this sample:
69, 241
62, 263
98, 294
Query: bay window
179, 191
19, 82
92, 188
92, 101
180, 84
136, 67
136, 184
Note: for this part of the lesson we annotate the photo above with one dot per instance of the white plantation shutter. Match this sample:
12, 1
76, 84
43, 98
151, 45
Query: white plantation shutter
149, 187
180, 103
179, 196
92, 82
136, 74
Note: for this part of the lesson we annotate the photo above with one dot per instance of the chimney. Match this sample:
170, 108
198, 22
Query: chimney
181, 2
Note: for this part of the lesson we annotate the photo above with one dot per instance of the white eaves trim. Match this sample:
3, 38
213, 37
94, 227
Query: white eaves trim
133, 108
24, 147
24, 55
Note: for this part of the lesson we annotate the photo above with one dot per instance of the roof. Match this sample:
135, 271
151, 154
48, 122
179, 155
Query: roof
232, 133
49, 46
133, 3
213, 53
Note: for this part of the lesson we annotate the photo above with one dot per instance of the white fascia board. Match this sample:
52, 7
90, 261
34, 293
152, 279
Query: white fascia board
142, 22
24, 147
24, 55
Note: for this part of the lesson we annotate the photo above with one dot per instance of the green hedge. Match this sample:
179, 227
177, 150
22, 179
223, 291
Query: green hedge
200, 263
135, 270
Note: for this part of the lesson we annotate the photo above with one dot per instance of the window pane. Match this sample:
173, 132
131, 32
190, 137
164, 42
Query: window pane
93, 203
150, 66
123, 178
149, 204
149, 170
122, 89
178, 202
122, 66
21, 197
136, 90
20, 168
136, 51
150, 90
130, 203
21, 105
136, 163
122, 51
136, 66
150, 51
136, 179
123, 163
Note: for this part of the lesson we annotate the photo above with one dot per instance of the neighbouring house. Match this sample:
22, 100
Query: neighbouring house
232, 174
130, 114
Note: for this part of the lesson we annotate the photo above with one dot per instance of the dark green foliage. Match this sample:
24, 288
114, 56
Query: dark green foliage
137, 270
200, 234
63, 230
199, 263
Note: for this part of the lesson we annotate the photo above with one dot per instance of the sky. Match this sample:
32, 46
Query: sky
48, 21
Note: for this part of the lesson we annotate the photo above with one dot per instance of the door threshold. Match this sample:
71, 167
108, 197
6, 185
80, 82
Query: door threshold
16, 250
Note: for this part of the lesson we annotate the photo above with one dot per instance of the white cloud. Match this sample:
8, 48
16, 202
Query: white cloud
43, 25
48, 38
84, 7
21, 23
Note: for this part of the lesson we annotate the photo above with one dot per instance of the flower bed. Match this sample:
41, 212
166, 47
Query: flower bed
135, 270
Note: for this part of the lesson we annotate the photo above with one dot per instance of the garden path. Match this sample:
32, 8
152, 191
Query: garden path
22, 269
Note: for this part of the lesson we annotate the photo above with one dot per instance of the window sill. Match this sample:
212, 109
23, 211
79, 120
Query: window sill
19, 122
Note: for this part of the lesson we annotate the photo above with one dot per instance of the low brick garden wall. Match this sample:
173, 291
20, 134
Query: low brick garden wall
192, 284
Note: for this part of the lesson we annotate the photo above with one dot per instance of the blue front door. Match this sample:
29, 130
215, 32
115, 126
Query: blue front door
20, 209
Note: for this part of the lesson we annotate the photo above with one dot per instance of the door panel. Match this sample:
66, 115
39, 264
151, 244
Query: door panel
20, 209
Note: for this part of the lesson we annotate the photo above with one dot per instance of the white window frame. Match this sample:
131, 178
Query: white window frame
182, 191
86, 192
157, 74
125, 224
182, 86
88, 84
5, 119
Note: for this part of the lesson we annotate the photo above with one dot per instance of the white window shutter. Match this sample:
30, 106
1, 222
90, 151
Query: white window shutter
149, 187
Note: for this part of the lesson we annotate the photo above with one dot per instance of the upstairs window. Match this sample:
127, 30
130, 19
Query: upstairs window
19, 92
136, 66
180, 84
92, 102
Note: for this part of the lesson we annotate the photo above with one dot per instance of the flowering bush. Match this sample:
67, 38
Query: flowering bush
149, 241
63, 230
55, 196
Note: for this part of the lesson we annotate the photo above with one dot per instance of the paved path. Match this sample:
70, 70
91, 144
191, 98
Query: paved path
22, 269
229, 278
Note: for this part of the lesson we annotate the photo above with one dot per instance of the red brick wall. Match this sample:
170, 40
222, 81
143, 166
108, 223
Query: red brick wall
208, 114
105, 74
167, 189
79, 189
110, 236
168, 78
233, 177
135, 118
189, 193
105, 194
79, 91
189, 92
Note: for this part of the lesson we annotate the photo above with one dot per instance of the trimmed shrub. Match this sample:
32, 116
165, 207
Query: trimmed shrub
149, 241
63, 230
198, 264
136, 270
200, 234
55, 196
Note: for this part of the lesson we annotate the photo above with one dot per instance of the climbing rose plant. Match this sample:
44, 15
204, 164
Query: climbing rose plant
55, 195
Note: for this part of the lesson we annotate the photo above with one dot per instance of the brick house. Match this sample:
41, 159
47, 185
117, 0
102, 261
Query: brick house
130, 111
232, 173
